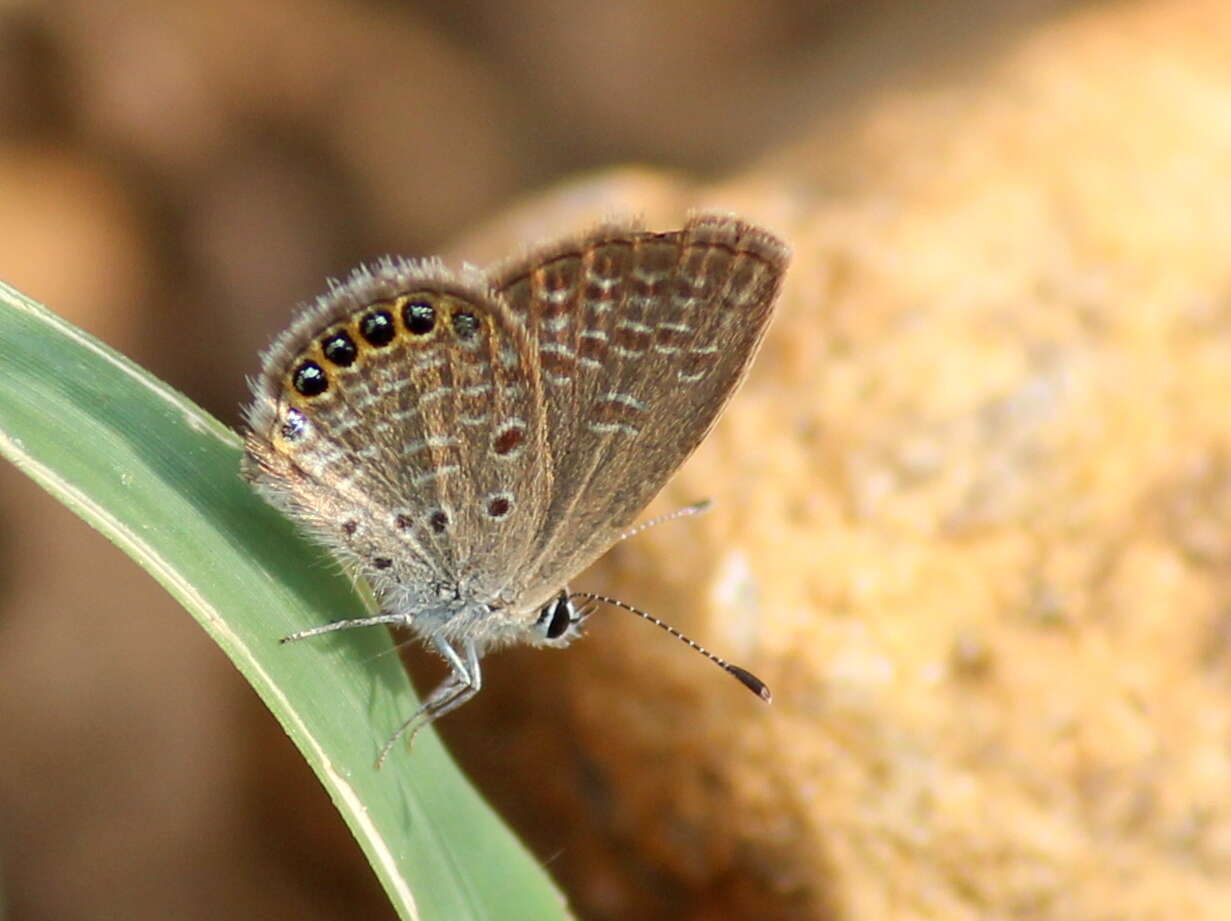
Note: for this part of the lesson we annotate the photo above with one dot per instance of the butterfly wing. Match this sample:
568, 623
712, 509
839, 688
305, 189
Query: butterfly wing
401, 421
641, 339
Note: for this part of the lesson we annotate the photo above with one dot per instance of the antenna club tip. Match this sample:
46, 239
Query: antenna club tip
752, 682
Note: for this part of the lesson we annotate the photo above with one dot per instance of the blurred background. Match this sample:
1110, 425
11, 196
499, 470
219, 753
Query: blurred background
174, 178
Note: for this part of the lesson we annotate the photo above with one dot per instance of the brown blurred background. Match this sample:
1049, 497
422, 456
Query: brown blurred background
175, 177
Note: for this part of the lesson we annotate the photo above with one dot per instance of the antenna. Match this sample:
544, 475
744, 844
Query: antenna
745, 677
697, 508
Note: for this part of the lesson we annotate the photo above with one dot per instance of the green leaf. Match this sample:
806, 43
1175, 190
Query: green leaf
159, 477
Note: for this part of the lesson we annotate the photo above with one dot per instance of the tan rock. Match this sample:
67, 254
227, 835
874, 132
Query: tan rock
973, 526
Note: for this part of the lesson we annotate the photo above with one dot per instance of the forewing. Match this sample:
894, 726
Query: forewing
642, 338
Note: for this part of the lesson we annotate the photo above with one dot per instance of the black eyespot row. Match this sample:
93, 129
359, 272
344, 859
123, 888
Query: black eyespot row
419, 317
465, 325
340, 349
309, 379
377, 328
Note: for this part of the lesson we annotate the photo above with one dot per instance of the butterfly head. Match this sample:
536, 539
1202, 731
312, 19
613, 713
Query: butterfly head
559, 622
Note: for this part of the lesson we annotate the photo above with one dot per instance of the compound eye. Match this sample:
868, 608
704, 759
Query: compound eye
559, 615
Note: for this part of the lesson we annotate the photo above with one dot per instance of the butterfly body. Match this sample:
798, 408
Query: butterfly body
470, 441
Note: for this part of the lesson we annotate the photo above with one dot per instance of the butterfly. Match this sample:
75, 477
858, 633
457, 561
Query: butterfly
469, 441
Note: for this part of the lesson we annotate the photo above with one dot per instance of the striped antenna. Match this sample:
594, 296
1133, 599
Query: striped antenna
697, 508
745, 677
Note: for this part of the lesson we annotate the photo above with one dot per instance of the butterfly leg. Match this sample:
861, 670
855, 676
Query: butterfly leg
384, 617
465, 681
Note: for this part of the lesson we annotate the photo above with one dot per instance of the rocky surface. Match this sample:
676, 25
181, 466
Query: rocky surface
972, 508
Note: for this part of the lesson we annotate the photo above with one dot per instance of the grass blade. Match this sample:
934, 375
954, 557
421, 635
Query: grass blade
159, 477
